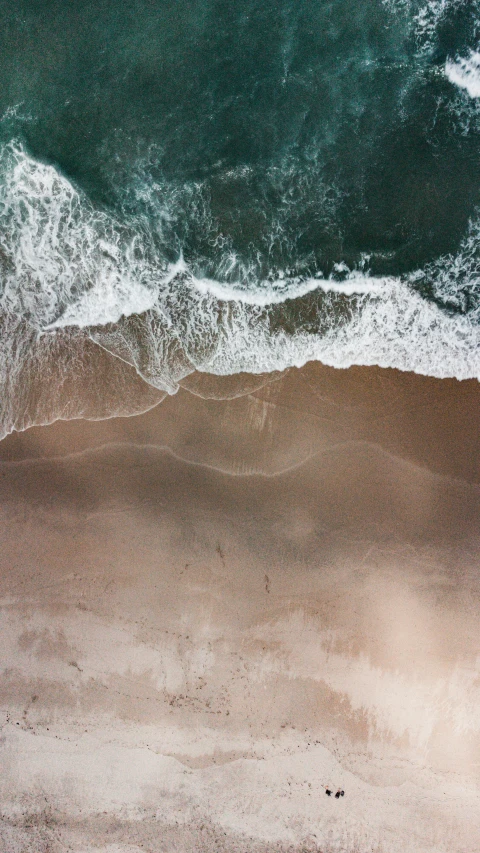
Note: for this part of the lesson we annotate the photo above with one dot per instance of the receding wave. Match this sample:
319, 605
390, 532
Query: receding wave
75, 278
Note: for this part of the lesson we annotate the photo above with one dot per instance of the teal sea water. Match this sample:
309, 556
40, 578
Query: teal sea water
237, 186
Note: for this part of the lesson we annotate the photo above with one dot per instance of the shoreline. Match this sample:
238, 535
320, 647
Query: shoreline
190, 656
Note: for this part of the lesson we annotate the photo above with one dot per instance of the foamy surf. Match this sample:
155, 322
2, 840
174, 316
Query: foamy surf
465, 73
394, 328
66, 265
280, 290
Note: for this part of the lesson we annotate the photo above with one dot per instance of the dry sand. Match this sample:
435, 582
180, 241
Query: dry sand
210, 611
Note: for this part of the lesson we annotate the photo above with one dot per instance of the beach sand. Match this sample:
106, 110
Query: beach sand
259, 587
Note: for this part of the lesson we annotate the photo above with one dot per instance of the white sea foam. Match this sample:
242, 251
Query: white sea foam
429, 15
104, 303
425, 18
396, 328
65, 264
465, 73
278, 291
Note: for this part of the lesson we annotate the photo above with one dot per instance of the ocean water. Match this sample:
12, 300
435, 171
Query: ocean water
232, 187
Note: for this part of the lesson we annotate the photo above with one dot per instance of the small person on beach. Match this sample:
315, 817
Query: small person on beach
329, 792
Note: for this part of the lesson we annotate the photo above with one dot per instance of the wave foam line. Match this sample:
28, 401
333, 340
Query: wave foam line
65, 264
396, 328
279, 291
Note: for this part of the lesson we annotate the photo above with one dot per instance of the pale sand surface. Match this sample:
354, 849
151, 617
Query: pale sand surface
257, 588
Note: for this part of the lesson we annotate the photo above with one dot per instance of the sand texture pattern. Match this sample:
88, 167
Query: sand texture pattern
258, 588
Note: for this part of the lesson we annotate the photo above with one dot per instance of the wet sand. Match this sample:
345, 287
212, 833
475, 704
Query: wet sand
261, 586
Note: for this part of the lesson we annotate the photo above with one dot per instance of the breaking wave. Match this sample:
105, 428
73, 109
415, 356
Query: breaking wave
465, 73
75, 279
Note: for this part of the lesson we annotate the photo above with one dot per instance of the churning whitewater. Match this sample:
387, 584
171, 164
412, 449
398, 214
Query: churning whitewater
258, 192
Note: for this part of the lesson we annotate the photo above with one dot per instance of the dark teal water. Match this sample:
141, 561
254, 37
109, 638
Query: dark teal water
326, 115
265, 144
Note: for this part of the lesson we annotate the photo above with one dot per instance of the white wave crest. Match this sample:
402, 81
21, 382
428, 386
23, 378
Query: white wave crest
394, 328
278, 291
65, 264
465, 73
